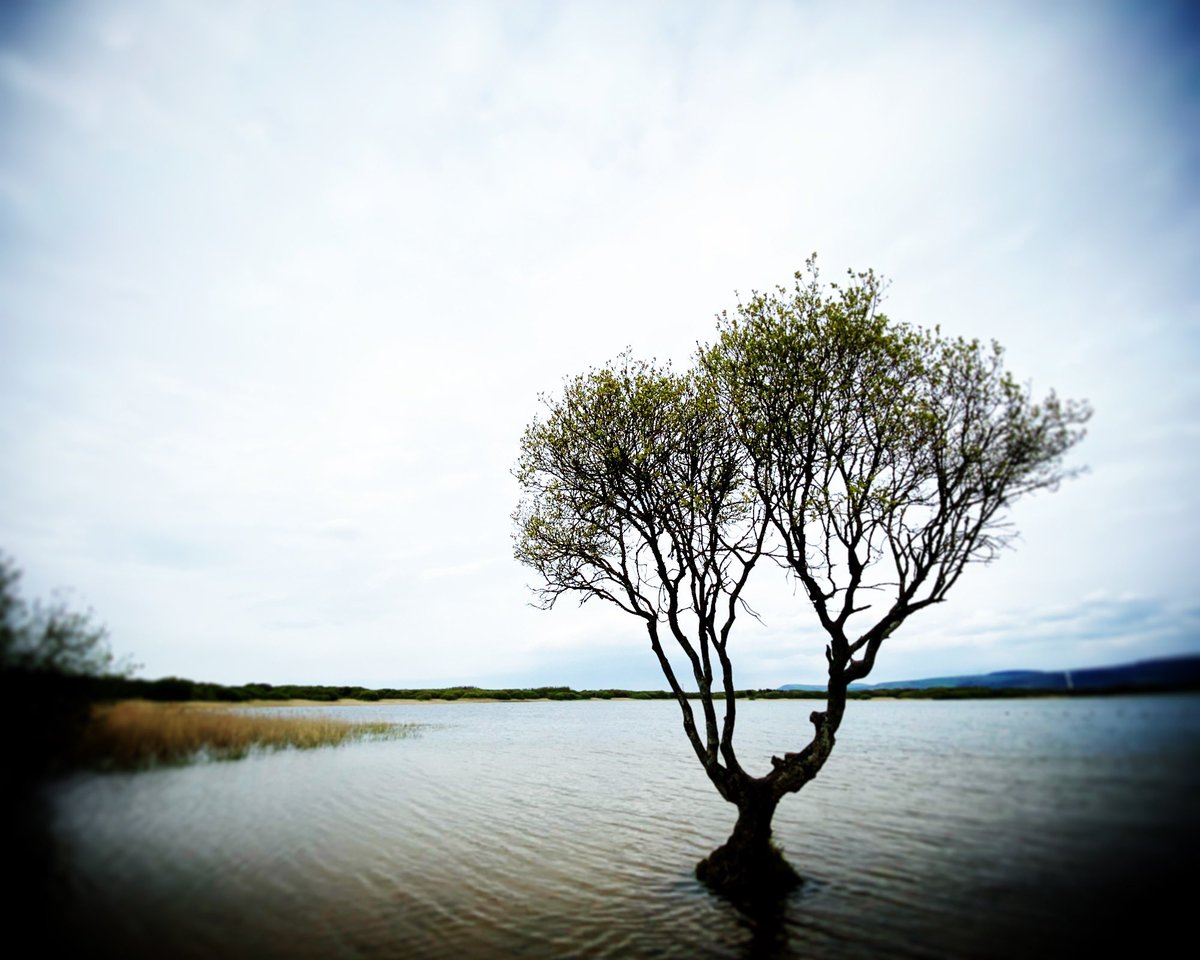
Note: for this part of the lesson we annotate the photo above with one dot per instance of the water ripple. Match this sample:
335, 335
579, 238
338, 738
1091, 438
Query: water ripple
984, 829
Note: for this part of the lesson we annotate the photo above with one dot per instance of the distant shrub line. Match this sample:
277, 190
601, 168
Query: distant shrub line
178, 689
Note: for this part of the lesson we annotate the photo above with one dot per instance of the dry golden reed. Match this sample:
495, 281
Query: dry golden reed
139, 733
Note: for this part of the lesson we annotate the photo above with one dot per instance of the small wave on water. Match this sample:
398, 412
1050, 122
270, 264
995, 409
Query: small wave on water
983, 829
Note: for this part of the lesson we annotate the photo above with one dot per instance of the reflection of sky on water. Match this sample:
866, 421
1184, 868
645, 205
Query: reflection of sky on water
986, 829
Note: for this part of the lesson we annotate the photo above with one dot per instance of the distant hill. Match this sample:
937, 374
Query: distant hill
1172, 673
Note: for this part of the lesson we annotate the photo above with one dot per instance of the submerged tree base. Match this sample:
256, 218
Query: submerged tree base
740, 874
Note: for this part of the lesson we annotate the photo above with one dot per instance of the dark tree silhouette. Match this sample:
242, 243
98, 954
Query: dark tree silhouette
872, 460
54, 661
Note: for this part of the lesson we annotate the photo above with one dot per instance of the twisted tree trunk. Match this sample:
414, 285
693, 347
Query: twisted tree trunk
748, 864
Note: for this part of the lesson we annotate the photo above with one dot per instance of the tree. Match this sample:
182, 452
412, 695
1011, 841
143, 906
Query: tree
49, 638
872, 460
54, 662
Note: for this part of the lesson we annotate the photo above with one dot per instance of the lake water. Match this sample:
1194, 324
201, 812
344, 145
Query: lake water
1002, 828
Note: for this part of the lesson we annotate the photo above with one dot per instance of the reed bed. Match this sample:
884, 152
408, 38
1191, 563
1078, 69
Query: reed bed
138, 733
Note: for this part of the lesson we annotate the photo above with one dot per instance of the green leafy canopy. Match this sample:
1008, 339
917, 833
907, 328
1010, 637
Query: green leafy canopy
871, 459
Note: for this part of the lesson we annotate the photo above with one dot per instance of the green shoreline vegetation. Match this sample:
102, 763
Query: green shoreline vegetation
182, 690
137, 724
114, 723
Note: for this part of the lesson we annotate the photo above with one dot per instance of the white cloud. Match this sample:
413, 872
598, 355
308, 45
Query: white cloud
279, 287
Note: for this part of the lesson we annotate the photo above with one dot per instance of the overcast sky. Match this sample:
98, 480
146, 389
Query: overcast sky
280, 284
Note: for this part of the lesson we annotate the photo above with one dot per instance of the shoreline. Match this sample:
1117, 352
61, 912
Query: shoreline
403, 702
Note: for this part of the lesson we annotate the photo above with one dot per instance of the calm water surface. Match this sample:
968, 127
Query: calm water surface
938, 829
